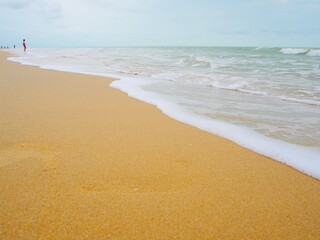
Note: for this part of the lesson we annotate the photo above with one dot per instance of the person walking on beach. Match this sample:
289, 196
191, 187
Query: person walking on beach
24, 44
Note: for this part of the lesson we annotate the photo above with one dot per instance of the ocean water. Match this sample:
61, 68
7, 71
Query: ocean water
264, 99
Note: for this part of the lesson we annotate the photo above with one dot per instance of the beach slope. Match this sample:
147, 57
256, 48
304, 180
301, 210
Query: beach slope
80, 160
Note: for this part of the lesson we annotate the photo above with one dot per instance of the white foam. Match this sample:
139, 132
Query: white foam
305, 101
193, 62
294, 50
239, 87
304, 159
235, 85
24, 61
314, 53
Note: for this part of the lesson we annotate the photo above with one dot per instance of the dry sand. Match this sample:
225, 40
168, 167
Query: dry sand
79, 160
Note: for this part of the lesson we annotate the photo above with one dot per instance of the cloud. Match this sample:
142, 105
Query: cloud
282, 1
275, 2
49, 9
288, 32
120, 4
16, 4
313, 6
315, 3
53, 11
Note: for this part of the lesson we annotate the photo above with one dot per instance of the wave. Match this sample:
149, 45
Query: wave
238, 87
192, 62
304, 101
302, 51
264, 48
314, 53
294, 50
292, 155
286, 153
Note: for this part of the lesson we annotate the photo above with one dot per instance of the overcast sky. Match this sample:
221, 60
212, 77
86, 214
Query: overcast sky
85, 23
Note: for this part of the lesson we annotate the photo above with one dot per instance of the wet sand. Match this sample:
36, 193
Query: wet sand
80, 160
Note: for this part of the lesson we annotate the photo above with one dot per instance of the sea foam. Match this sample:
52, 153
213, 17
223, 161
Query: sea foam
314, 53
267, 107
304, 159
294, 50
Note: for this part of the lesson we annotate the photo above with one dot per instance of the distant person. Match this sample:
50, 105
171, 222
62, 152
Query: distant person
24, 44
14, 46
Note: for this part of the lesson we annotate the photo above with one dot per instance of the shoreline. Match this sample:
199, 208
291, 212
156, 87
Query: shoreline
78, 158
278, 149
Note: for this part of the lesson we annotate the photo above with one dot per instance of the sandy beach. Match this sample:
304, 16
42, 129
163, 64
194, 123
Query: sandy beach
80, 160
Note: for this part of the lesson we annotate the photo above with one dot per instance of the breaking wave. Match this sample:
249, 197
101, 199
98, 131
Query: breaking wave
314, 53
301, 51
294, 50
193, 62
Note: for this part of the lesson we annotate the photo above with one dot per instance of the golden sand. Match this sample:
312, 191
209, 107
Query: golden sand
79, 160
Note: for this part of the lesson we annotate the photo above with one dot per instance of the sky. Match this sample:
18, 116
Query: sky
95, 23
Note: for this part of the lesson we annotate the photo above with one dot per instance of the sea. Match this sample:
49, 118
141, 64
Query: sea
264, 99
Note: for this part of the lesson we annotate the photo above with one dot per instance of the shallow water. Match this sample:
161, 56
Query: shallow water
272, 93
